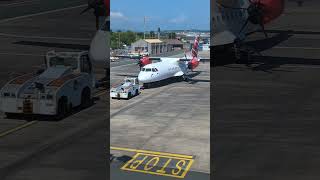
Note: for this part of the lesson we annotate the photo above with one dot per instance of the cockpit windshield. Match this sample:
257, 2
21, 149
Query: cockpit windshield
64, 61
149, 69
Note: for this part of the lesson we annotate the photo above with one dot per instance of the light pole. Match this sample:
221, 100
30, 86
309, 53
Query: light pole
145, 18
119, 41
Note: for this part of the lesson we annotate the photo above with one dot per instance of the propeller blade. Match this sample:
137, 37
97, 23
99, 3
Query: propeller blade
97, 22
228, 7
263, 29
243, 26
85, 10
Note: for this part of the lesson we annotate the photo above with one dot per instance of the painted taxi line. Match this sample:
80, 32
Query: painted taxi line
30, 123
158, 163
10, 131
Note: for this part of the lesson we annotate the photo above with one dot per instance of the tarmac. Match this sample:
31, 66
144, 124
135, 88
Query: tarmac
266, 113
40, 148
77, 146
169, 120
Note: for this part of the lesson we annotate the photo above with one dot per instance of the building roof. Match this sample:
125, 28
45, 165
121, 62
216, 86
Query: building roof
153, 41
172, 41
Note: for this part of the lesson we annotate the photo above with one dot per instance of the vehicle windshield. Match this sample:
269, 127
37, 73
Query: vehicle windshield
128, 81
65, 61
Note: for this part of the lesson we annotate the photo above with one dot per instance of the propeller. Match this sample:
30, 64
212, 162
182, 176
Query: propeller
255, 13
99, 9
188, 62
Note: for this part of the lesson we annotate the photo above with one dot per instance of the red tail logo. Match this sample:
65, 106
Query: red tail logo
195, 47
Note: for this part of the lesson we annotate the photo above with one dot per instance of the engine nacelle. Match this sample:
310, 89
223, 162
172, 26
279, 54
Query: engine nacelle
271, 9
193, 63
144, 61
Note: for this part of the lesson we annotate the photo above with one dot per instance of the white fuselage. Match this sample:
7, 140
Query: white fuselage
99, 47
227, 23
167, 68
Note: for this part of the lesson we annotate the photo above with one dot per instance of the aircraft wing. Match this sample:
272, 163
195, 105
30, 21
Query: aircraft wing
204, 59
200, 59
155, 58
54, 45
128, 56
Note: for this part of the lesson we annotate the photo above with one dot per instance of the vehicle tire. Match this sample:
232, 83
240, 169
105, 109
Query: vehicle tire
185, 78
63, 108
129, 95
70, 107
9, 115
137, 92
85, 97
147, 85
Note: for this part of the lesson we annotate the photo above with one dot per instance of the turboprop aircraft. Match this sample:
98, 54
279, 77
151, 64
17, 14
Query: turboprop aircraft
234, 20
99, 47
170, 67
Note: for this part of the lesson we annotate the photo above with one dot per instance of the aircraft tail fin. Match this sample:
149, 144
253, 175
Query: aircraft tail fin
195, 47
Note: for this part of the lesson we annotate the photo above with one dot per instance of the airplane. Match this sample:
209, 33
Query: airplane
169, 67
234, 20
145, 59
99, 47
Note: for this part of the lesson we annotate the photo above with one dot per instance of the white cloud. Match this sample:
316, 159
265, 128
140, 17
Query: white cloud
178, 20
118, 15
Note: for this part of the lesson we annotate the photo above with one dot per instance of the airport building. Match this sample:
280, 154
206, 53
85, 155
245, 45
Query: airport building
173, 44
153, 46
156, 46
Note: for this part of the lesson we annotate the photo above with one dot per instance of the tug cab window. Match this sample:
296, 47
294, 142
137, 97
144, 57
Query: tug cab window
63, 61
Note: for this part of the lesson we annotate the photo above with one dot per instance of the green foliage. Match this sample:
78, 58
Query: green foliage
172, 35
118, 39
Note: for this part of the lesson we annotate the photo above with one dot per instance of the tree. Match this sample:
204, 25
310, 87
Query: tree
172, 35
152, 34
118, 39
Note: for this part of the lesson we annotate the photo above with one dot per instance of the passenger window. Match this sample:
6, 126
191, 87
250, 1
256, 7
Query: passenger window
143, 69
148, 69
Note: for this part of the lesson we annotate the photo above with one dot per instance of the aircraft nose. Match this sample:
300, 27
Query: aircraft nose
99, 48
143, 78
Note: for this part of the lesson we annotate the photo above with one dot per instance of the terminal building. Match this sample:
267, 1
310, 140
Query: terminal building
156, 46
153, 46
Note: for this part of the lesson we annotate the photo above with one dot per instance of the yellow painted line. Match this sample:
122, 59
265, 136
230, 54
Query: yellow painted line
151, 152
17, 128
100, 93
161, 171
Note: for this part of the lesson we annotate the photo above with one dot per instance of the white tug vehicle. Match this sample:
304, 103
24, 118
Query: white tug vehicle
66, 82
129, 88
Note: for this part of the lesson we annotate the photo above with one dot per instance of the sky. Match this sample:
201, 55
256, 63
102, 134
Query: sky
166, 14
